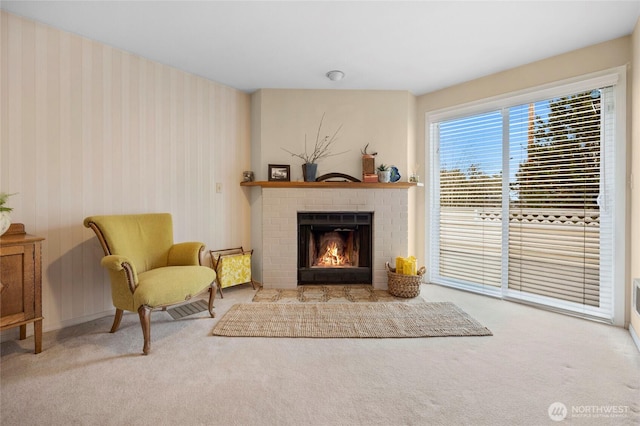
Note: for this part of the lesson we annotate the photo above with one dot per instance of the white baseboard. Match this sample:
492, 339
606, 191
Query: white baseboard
80, 320
634, 337
14, 333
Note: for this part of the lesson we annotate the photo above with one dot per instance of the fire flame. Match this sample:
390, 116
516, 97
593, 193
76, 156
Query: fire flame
332, 257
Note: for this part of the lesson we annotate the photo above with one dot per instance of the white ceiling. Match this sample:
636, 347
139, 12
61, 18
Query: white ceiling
419, 46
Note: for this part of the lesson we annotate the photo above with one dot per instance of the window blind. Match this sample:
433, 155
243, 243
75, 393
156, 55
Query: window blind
470, 200
522, 200
554, 216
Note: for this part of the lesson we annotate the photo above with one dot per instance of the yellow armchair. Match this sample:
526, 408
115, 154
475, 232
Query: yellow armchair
146, 268
232, 266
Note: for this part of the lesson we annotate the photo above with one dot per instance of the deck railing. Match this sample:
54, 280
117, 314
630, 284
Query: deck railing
551, 252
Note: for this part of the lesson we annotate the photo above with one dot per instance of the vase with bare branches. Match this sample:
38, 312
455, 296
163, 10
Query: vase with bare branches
321, 149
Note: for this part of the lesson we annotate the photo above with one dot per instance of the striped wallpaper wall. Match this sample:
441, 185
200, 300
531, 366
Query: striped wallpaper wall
88, 129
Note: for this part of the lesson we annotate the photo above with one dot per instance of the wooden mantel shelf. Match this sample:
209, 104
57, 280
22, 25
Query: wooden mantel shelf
325, 184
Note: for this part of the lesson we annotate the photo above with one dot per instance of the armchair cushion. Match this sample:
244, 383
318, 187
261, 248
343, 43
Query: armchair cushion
170, 285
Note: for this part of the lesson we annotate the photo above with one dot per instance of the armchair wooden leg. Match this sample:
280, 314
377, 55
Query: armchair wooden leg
145, 321
116, 320
212, 296
220, 290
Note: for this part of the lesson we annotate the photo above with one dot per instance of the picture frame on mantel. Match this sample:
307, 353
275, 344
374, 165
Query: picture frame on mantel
279, 173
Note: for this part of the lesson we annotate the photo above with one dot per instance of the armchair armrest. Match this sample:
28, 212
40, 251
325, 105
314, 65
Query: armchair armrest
185, 254
115, 264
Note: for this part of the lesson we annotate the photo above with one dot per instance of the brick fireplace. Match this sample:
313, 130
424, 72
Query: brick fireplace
280, 208
335, 247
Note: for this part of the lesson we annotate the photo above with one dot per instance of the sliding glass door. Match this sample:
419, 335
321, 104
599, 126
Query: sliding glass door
522, 201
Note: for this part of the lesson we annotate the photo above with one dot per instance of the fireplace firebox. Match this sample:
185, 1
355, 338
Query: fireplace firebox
335, 247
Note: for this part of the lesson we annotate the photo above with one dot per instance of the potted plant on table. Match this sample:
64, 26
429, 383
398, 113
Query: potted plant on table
321, 149
5, 217
384, 173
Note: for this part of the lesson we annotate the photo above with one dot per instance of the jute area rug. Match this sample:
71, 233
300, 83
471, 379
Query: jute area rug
330, 320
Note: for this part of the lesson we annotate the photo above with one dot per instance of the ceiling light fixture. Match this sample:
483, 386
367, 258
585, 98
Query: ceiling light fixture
335, 75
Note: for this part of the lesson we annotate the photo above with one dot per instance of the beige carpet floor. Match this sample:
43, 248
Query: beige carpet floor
88, 376
344, 320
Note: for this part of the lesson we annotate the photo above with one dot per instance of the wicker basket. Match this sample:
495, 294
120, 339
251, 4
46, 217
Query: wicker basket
401, 285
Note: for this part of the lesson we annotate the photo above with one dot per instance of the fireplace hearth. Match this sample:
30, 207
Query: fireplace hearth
335, 247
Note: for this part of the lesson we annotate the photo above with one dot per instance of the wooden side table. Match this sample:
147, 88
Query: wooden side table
21, 282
